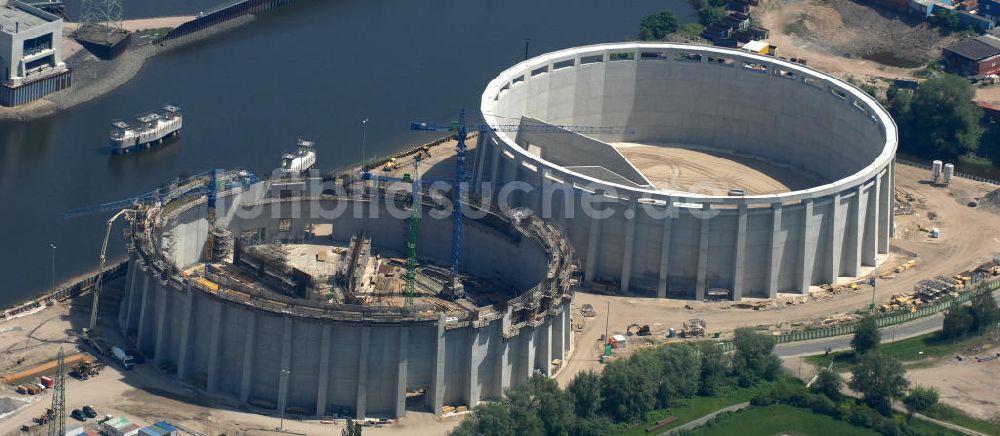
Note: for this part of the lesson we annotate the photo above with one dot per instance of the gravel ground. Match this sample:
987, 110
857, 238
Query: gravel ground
93, 77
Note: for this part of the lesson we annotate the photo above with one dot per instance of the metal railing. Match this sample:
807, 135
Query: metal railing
886, 320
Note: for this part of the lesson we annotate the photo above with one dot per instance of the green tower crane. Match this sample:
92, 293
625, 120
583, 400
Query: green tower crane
411, 240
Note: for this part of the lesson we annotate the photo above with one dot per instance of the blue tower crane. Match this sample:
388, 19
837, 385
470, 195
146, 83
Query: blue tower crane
180, 188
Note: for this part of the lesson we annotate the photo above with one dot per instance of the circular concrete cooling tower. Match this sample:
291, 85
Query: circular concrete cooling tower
729, 174
242, 329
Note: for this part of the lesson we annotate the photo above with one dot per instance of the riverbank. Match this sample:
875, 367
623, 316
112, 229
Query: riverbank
93, 77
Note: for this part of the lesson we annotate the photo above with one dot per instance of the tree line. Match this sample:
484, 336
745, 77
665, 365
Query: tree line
627, 390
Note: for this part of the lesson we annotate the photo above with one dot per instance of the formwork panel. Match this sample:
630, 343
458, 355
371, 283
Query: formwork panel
233, 335
346, 340
267, 359
304, 371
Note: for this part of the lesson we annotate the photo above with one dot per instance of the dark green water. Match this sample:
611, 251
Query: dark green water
314, 69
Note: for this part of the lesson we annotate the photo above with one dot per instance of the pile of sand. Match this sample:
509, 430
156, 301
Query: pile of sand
8, 405
991, 199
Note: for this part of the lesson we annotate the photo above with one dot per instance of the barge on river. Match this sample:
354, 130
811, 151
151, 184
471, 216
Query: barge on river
147, 129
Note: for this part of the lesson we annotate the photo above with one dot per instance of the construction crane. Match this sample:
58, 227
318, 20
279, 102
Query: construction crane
460, 149
193, 185
57, 423
101, 262
411, 241
213, 193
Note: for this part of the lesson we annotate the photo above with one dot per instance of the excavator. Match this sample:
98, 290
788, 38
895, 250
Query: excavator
637, 330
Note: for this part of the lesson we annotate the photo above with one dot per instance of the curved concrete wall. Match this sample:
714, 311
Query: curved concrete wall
679, 244
270, 360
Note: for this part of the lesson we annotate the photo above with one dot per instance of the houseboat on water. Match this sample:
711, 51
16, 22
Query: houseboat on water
147, 129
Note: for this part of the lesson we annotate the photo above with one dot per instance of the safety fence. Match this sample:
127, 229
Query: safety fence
223, 13
69, 290
886, 320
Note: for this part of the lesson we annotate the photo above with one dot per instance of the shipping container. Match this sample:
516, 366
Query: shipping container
171, 430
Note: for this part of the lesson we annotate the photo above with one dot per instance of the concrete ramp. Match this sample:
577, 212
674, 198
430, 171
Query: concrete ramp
570, 149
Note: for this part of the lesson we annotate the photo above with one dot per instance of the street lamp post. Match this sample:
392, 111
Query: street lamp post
53, 246
364, 142
281, 423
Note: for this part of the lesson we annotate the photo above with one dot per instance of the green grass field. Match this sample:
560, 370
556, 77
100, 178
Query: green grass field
690, 409
947, 413
781, 419
787, 420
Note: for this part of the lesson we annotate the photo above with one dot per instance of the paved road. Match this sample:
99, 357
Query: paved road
889, 334
701, 421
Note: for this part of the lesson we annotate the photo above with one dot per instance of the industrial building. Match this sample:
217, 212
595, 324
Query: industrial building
727, 174
289, 296
973, 57
30, 53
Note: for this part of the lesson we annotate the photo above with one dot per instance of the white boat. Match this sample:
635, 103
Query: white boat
300, 161
147, 129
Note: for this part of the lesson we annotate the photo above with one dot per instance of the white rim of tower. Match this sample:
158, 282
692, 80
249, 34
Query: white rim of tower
862, 101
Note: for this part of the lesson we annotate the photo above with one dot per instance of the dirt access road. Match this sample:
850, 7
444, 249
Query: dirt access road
967, 240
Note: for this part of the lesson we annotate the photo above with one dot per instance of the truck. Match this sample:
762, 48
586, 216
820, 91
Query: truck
122, 357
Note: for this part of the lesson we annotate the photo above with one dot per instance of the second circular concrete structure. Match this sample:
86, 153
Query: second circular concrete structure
725, 173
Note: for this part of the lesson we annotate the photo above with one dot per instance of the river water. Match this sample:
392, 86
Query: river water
313, 69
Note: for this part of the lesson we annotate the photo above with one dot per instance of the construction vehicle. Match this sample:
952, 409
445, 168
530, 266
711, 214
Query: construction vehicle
588, 311
694, 328
390, 165
637, 330
129, 214
120, 356
85, 370
96, 342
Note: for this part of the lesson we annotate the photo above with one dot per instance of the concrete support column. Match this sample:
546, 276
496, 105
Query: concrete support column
539, 194
482, 142
529, 352
857, 232
286, 366
472, 374
547, 349
183, 361
323, 383
160, 352
404, 356
214, 344
559, 325
892, 202
739, 261
774, 258
626, 274
130, 293
510, 168
567, 326
248, 346
836, 240
141, 336
886, 197
807, 251
362, 393
436, 396
495, 165
593, 239
661, 289
504, 349
871, 225
699, 290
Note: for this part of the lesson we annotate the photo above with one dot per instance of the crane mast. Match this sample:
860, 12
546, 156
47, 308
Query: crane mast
411, 241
